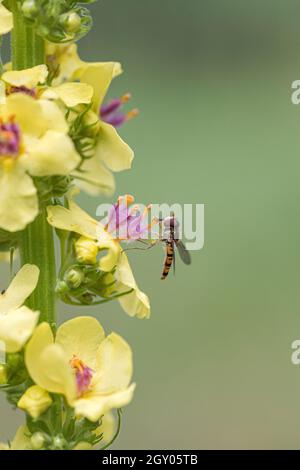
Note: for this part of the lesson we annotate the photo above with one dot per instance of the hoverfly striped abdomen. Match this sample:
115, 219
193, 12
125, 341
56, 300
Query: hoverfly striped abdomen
169, 258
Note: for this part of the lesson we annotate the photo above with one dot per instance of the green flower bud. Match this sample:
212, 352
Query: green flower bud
59, 442
3, 375
61, 287
74, 278
29, 9
71, 22
37, 440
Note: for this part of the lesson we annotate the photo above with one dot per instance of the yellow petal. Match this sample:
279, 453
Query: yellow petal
108, 427
111, 259
54, 116
35, 401
72, 221
29, 78
27, 111
48, 365
83, 446
64, 56
6, 20
114, 365
20, 288
94, 406
71, 94
136, 303
98, 179
18, 197
16, 327
52, 154
112, 150
81, 337
21, 441
99, 75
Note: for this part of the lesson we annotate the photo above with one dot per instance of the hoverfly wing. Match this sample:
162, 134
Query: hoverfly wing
183, 252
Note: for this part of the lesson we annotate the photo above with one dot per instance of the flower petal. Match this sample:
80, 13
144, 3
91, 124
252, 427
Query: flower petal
29, 78
21, 441
16, 328
48, 365
99, 75
72, 220
20, 288
54, 117
101, 179
18, 197
114, 365
52, 154
6, 20
81, 337
94, 406
27, 111
112, 150
136, 303
71, 93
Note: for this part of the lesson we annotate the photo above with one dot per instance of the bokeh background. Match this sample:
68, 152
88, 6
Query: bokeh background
212, 79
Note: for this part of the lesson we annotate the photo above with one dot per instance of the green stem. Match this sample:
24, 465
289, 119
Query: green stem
37, 247
37, 240
28, 49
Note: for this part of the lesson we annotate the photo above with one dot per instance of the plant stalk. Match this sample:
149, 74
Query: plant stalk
37, 240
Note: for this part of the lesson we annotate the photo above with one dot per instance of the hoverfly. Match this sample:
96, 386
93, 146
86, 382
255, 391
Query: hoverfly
171, 238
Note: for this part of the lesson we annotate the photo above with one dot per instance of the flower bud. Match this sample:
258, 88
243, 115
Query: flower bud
59, 442
35, 401
74, 278
61, 287
29, 9
37, 440
71, 22
3, 375
86, 250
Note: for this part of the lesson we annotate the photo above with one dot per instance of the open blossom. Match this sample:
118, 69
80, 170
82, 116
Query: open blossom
34, 141
111, 153
94, 235
17, 321
92, 371
6, 19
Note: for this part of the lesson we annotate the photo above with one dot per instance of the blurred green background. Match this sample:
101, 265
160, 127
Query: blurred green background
212, 79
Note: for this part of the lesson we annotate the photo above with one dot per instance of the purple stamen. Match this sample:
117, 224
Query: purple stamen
83, 379
110, 107
10, 139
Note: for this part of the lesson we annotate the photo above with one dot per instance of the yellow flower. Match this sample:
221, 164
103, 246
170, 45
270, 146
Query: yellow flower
111, 154
21, 441
76, 220
92, 371
35, 401
34, 141
17, 321
6, 19
32, 82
